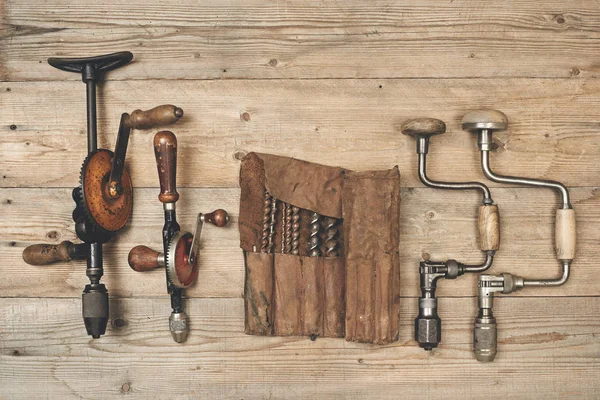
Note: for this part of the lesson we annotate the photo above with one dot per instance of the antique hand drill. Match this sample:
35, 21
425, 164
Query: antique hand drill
484, 122
428, 325
181, 250
104, 197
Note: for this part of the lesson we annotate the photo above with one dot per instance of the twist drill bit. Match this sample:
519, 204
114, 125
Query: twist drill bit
284, 207
314, 243
295, 244
271, 241
288, 228
331, 241
264, 243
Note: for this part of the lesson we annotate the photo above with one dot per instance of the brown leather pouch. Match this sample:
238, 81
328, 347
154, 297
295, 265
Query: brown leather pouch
353, 295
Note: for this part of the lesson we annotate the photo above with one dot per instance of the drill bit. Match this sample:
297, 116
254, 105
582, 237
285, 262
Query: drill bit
271, 242
264, 243
295, 230
314, 243
331, 241
288, 228
284, 207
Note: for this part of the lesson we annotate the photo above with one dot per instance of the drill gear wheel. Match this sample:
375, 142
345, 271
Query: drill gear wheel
100, 208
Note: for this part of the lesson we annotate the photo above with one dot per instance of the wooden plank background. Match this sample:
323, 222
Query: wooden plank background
325, 81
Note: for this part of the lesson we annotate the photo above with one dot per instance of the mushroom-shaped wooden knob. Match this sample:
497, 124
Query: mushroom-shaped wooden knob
162, 115
484, 119
44, 254
165, 150
218, 218
423, 127
143, 258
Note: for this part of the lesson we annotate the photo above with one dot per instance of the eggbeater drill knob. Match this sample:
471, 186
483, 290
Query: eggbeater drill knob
143, 258
218, 218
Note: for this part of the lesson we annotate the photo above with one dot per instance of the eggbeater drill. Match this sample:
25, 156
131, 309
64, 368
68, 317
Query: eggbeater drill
104, 197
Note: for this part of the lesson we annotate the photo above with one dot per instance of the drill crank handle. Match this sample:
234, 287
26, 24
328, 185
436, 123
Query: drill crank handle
165, 151
44, 254
143, 258
218, 218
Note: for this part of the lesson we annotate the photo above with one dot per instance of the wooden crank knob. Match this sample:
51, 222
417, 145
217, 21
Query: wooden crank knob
143, 258
485, 119
165, 150
218, 218
162, 115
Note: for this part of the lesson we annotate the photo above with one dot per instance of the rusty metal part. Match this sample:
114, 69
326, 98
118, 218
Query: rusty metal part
264, 241
284, 207
331, 240
295, 244
181, 271
108, 212
314, 242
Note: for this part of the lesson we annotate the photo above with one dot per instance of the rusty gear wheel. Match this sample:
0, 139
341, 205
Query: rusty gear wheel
102, 210
181, 273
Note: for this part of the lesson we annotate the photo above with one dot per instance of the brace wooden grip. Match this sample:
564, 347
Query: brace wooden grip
565, 234
165, 150
489, 228
143, 258
162, 115
44, 254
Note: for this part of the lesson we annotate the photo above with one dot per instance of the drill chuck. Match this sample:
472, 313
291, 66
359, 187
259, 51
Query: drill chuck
178, 326
95, 309
428, 325
485, 340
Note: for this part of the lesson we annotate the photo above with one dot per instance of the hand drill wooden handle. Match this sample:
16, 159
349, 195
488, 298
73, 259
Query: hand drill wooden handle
143, 258
566, 234
165, 150
489, 228
162, 115
44, 254
218, 218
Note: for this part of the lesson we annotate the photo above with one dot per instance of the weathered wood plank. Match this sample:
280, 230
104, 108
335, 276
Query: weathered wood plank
548, 346
309, 39
441, 224
554, 131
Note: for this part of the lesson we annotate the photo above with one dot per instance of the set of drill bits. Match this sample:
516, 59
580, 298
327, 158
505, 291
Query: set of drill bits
288, 229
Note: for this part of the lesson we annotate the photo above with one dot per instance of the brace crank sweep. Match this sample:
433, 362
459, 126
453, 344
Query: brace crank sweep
484, 123
181, 250
428, 325
104, 198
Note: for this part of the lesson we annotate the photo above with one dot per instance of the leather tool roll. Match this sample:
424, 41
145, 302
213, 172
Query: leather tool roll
350, 286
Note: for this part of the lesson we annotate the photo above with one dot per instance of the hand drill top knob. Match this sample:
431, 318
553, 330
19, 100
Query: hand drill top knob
423, 127
485, 119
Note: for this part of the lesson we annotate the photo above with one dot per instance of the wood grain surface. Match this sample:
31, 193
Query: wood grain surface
324, 81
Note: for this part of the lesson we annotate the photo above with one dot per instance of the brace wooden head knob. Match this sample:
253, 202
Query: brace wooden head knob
218, 218
162, 115
165, 151
143, 258
484, 119
423, 127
